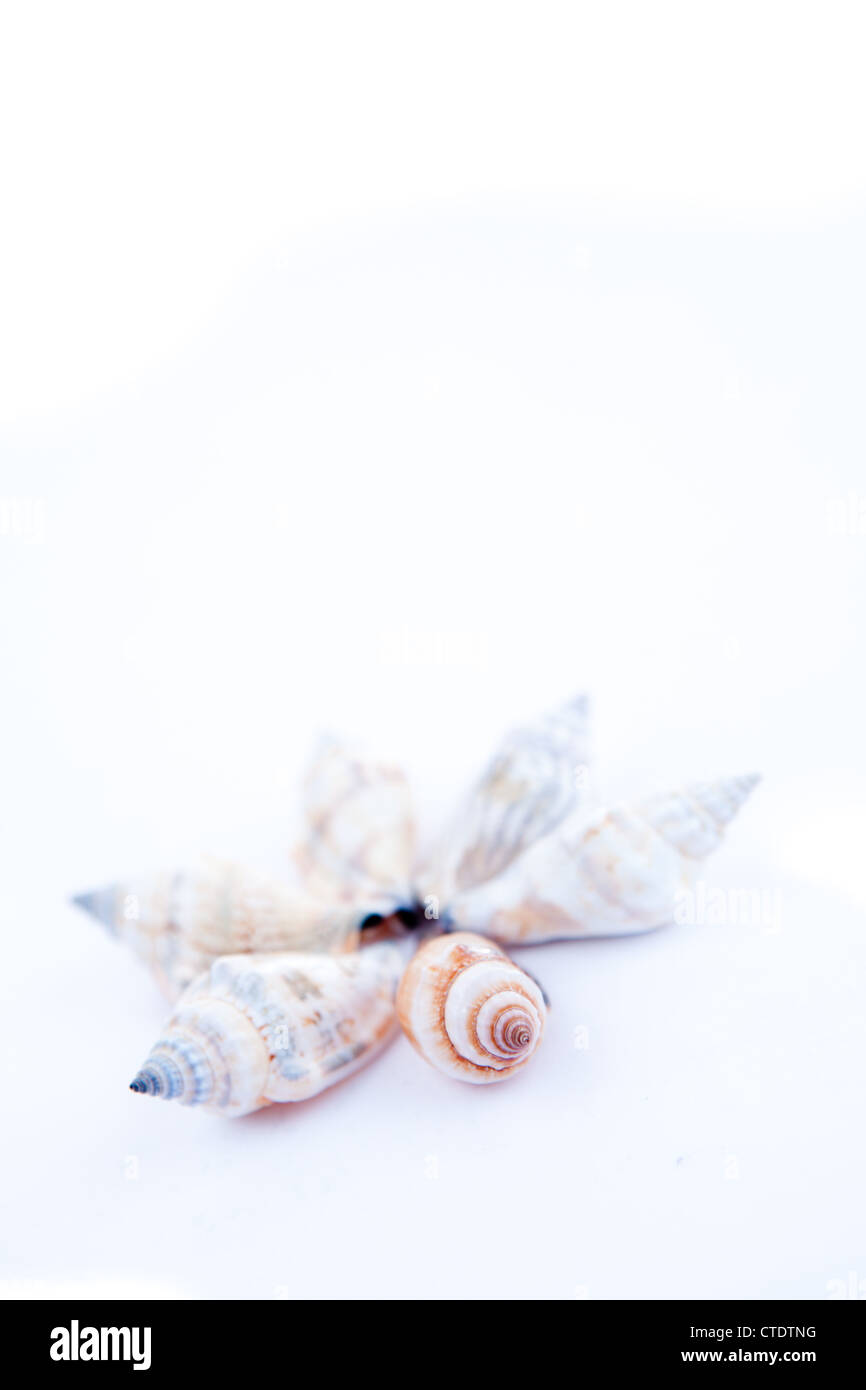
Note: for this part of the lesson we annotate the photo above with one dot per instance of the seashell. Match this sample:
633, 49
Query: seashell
180, 921
611, 873
360, 833
259, 1030
535, 779
469, 1010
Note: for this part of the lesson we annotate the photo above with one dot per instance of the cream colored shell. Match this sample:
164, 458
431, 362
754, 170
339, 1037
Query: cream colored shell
359, 836
180, 921
469, 1010
537, 777
259, 1030
612, 873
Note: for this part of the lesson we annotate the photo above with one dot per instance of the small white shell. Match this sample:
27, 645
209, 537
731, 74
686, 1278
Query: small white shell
613, 873
360, 834
469, 1010
180, 921
259, 1030
537, 777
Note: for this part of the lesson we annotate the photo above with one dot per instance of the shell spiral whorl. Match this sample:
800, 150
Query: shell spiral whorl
273, 1027
469, 1010
176, 1069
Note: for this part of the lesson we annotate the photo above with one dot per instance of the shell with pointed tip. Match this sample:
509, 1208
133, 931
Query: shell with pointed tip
537, 777
612, 873
360, 835
259, 1030
469, 1010
179, 922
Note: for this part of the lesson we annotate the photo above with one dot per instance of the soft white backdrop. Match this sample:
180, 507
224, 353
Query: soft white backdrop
403, 370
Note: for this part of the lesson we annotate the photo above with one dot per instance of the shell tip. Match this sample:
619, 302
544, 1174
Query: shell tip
734, 792
99, 904
139, 1085
729, 794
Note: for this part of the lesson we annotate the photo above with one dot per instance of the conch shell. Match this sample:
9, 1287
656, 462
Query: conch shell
537, 777
180, 921
259, 1030
360, 834
469, 1010
611, 873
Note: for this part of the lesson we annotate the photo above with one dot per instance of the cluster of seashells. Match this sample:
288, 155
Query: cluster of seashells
280, 993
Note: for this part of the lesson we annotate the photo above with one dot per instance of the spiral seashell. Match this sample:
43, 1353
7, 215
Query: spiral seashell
535, 779
359, 839
612, 873
180, 921
259, 1030
469, 1010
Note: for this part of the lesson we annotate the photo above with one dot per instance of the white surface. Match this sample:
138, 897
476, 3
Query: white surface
418, 460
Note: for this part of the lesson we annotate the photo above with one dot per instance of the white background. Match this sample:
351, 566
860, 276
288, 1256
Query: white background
403, 369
